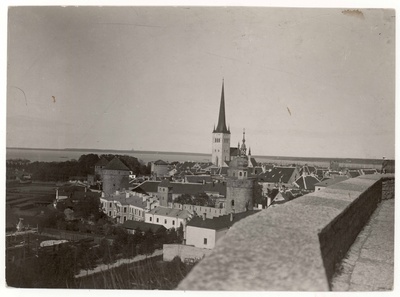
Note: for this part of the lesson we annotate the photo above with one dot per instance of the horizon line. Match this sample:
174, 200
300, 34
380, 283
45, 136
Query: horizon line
196, 153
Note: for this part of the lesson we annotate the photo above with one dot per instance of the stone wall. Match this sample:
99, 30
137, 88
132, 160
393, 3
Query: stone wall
241, 191
187, 253
115, 180
388, 188
293, 246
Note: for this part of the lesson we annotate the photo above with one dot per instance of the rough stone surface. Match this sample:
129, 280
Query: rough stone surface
368, 265
289, 247
262, 265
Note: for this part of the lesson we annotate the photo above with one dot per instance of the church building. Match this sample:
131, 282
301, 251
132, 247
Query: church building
222, 153
221, 137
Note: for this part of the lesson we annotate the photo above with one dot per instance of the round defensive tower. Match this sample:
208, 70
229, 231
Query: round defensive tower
240, 188
115, 177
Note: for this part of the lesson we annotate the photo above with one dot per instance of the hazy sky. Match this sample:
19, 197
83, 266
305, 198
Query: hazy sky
302, 82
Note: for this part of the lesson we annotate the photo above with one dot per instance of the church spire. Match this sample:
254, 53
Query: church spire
221, 126
243, 147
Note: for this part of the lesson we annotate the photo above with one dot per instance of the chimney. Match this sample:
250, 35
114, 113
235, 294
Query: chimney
204, 216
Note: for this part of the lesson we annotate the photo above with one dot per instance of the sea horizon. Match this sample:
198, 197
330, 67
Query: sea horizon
60, 155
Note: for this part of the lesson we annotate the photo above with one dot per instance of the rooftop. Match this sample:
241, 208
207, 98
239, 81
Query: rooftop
116, 164
221, 222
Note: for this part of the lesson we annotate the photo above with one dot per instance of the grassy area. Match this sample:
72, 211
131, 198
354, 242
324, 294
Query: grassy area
17, 194
149, 274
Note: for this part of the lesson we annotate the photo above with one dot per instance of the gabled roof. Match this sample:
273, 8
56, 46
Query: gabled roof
147, 187
165, 183
277, 174
307, 182
221, 222
170, 212
135, 225
198, 178
116, 164
131, 200
215, 187
331, 181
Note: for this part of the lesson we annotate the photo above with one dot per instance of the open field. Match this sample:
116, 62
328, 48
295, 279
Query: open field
27, 201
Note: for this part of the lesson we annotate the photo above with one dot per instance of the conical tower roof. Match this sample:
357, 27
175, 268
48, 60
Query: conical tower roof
221, 127
116, 164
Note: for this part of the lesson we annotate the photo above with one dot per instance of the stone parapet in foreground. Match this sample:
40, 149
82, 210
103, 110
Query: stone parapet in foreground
294, 246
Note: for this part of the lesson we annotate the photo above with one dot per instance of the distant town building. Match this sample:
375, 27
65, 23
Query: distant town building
115, 176
168, 217
133, 226
329, 182
204, 233
127, 205
98, 167
278, 177
159, 168
221, 137
306, 182
240, 188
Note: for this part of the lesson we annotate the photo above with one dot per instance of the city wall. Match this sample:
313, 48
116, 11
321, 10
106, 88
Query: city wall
294, 246
187, 253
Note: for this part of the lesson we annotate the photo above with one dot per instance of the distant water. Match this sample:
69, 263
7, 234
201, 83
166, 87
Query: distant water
44, 155
65, 155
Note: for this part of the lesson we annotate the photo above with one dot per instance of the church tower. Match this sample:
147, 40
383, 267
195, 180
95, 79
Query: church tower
221, 137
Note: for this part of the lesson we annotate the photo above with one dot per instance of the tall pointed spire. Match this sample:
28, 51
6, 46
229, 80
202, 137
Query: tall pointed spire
221, 126
243, 147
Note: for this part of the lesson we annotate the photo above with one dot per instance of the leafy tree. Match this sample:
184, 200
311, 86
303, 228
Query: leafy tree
201, 199
184, 199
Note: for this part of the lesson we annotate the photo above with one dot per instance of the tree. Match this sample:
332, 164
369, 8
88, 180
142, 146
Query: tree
184, 199
201, 199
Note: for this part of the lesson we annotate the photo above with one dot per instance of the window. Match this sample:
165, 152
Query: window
124, 209
165, 221
109, 213
173, 222
205, 240
157, 220
124, 218
233, 202
240, 173
110, 204
151, 219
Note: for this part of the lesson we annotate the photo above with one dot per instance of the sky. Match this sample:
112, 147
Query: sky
307, 82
